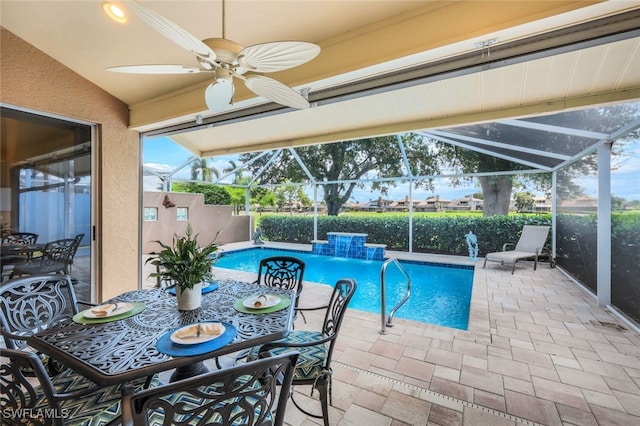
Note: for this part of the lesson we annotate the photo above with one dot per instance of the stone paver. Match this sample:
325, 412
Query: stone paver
536, 351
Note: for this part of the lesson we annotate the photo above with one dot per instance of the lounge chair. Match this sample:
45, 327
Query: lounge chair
529, 246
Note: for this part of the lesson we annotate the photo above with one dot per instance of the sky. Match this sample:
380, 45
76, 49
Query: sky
162, 153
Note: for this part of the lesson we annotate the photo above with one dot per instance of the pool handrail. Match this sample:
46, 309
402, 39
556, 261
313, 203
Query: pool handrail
387, 321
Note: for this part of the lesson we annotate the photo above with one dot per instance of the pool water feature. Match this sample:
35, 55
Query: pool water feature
440, 293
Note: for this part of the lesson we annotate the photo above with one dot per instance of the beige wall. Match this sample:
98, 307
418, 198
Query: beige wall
206, 220
33, 80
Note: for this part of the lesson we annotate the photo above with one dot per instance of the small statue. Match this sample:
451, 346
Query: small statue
472, 244
257, 237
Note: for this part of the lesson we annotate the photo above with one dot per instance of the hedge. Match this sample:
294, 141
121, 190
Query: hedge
442, 235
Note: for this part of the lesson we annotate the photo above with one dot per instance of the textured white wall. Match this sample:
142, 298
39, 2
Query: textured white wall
33, 80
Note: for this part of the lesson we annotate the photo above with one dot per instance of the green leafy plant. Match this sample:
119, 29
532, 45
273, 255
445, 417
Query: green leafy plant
184, 262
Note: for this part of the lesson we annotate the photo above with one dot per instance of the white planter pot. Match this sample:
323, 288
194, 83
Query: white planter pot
189, 299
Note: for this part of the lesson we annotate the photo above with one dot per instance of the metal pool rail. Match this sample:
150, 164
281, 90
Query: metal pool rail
386, 321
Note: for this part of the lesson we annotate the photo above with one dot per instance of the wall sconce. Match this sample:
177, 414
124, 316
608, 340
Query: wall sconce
167, 203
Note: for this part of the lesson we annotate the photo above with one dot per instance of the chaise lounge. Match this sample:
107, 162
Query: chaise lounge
529, 246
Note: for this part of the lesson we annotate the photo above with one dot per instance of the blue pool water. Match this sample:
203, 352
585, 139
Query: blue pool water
440, 294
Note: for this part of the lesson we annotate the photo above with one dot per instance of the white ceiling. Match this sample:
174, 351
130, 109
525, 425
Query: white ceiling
79, 35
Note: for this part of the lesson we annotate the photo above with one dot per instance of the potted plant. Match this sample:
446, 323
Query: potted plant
186, 265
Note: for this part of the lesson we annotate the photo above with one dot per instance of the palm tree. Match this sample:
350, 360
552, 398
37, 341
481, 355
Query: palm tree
237, 175
200, 166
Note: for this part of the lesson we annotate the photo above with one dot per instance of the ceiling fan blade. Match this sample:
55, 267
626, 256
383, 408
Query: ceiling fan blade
275, 91
172, 31
277, 56
155, 69
219, 94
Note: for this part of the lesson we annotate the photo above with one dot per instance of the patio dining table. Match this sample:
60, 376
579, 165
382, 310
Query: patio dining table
116, 351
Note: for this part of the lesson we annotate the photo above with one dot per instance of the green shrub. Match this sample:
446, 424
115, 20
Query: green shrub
441, 234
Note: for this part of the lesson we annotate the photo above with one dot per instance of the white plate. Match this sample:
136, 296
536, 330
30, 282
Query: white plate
194, 340
120, 309
271, 301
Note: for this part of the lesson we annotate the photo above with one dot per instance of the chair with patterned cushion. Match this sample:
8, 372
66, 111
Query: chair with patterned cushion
32, 304
246, 394
315, 347
282, 272
56, 258
66, 399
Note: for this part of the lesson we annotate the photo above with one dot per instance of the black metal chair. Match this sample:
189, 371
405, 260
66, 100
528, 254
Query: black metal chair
315, 347
76, 244
56, 258
245, 394
32, 304
16, 240
66, 399
283, 272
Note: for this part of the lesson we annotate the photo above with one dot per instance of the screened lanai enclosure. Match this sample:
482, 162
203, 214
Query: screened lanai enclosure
588, 157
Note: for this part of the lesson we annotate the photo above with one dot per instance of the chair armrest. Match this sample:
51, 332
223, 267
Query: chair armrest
505, 245
82, 302
316, 308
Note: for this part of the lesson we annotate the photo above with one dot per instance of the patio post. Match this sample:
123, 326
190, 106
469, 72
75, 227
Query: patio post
315, 211
604, 224
554, 212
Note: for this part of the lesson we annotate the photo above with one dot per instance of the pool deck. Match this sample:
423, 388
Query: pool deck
538, 351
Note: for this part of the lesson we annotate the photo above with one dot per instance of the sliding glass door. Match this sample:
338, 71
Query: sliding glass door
46, 185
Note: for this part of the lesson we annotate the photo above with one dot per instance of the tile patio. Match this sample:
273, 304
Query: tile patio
538, 351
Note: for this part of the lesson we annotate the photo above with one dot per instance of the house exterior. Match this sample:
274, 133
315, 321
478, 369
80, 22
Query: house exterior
467, 203
433, 204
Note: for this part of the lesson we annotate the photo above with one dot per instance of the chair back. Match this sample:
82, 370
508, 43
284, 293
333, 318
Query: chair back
343, 291
57, 255
74, 248
533, 238
245, 394
19, 392
282, 271
32, 304
24, 238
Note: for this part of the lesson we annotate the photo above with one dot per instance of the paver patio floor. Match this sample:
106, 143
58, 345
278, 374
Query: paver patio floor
538, 351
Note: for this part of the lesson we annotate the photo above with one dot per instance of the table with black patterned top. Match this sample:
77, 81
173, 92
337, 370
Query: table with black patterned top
119, 351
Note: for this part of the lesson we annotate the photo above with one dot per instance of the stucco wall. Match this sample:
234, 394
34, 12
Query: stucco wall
208, 221
33, 80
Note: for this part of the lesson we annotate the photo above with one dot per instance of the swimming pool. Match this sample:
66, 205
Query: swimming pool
440, 294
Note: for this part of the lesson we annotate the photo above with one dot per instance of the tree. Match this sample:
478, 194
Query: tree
347, 161
525, 201
200, 167
213, 194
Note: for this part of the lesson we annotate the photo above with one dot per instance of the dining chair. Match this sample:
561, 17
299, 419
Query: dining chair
18, 239
315, 348
55, 259
32, 304
74, 249
245, 394
67, 399
283, 272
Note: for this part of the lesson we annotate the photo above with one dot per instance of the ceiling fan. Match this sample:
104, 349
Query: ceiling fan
226, 60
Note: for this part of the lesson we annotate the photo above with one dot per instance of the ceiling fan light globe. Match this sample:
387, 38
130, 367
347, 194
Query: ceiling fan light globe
219, 95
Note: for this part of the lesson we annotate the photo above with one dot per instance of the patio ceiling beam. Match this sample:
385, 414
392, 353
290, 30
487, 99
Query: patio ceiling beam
302, 165
554, 129
630, 127
502, 145
267, 164
485, 151
405, 160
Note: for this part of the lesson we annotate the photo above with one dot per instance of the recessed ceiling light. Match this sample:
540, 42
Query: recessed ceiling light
115, 12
